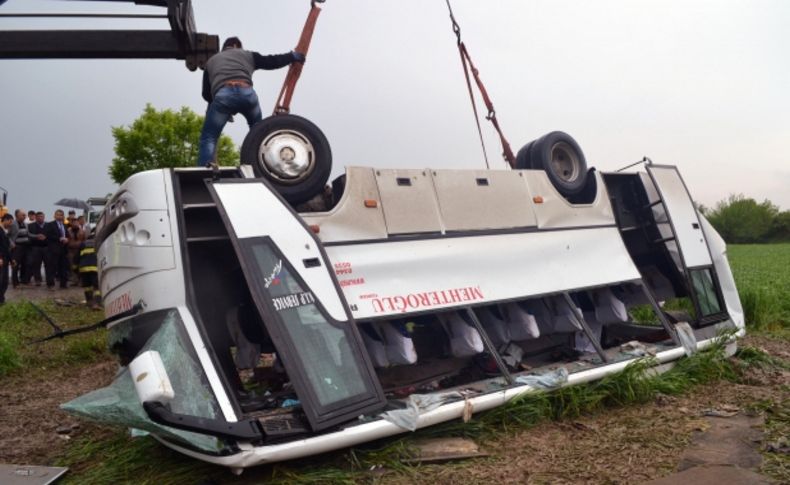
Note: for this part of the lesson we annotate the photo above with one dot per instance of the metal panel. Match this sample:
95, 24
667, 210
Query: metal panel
30, 475
90, 44
662, 220
408, 201
483, 199
682, 215
253, 210
556, 212
140, 245
390, 278
350, 219
291, 283
724, 273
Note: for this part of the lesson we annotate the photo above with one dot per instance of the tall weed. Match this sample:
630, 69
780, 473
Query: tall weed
9, 357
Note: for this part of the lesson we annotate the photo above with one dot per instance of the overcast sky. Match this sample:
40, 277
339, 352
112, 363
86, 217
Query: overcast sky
701, 84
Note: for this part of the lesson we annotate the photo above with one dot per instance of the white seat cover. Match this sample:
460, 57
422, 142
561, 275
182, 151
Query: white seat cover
465, 341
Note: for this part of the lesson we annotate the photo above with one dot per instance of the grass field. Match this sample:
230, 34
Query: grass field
100, 455
762, 275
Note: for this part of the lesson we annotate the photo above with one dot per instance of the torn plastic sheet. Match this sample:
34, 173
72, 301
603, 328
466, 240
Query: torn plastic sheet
548, 380
117, 404
417, 404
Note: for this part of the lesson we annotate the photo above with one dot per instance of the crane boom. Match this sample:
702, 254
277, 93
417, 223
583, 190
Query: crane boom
180, 42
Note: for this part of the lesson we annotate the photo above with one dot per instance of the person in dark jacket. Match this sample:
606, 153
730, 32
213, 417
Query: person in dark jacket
227, 87
21, 251
57, 241
38, 247
5, 253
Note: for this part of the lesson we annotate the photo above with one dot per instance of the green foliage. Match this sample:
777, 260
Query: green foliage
763, 282
86, 350
13, 316
9, 358
754, 357
162, 139
776, 462
742, 220
17, 313
781, 227
644, 314
121, 459
20, 324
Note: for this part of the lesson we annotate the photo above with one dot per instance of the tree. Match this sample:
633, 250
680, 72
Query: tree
162, 139
781, 227
742, 220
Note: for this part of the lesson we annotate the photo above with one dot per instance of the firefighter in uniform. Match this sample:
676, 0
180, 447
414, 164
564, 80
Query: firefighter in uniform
89, 275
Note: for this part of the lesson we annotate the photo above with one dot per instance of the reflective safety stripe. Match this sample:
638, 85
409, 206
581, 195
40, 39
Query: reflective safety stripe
88, 259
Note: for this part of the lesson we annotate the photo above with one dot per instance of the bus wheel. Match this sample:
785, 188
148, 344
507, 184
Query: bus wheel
291, 153
562, 159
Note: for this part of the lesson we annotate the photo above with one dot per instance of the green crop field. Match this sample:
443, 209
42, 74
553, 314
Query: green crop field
762, 274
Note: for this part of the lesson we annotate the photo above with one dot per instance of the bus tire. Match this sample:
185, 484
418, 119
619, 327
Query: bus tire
562, 159
291, 153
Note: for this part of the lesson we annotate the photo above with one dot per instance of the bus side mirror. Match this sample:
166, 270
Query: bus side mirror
150, 378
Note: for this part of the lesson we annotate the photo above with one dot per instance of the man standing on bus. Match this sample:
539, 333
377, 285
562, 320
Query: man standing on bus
227, 87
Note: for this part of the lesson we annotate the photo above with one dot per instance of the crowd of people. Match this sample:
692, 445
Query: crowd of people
62, 246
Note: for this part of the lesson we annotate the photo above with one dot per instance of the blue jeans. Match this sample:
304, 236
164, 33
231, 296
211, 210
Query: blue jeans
228, 101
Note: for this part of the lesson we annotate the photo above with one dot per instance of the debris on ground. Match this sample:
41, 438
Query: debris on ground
30, 475
723, 411
548, 380
445, 449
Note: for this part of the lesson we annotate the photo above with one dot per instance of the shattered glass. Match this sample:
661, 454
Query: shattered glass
117, 404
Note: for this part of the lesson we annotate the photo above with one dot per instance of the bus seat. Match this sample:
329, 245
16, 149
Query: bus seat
496, 328
521, 323
465, 341
608, 308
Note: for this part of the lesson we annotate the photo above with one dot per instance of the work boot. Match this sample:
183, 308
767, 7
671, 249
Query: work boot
96, 301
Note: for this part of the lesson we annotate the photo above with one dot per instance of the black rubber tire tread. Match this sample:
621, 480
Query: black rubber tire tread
316, 180
590, 191
540, 158
523, 160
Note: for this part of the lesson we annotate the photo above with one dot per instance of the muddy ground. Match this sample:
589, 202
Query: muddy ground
30, 417
627, 445
634, 444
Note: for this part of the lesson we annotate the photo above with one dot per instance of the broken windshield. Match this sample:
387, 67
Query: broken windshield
118, 403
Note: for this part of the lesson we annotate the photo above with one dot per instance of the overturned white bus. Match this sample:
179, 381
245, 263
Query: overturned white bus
252, 333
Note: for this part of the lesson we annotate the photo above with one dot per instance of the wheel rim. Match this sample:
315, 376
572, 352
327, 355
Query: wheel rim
565, 161
287, 156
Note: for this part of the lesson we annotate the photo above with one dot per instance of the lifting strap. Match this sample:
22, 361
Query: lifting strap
466, 62
283, 105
